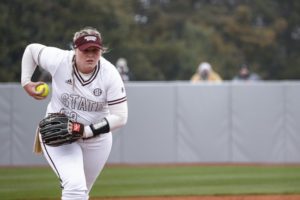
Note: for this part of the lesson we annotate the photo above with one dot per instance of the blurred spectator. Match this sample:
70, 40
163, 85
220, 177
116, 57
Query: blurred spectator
123, 69
205, 73
246, 75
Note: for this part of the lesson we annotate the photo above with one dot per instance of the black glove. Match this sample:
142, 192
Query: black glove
57, 129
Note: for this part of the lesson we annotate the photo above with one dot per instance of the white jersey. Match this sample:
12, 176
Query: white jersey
84, 99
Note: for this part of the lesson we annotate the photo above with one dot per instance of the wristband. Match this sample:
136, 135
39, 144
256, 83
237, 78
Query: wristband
100, 128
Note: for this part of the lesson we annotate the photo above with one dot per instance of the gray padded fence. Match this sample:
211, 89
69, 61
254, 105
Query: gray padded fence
177, 122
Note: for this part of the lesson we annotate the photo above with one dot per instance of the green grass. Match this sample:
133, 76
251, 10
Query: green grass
41, 183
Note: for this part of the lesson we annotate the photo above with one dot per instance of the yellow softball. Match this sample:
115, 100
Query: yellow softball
42, 87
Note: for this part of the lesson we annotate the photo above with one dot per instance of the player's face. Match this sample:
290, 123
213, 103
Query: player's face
86, 60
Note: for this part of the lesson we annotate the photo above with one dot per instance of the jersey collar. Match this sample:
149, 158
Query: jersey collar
80, 78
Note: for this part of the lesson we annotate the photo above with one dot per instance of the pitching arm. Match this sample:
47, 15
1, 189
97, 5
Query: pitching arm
30, 62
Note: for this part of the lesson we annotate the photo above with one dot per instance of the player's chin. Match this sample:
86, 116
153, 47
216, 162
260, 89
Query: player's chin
90, 66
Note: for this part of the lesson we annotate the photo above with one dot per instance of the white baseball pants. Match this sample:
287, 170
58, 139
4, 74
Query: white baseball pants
78, 165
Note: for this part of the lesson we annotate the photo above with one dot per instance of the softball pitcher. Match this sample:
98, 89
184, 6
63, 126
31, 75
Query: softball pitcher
89, 90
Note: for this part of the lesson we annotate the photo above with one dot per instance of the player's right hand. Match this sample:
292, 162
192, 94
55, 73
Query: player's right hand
30, 89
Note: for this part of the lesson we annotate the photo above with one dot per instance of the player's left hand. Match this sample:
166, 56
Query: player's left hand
30, 88
57, 129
